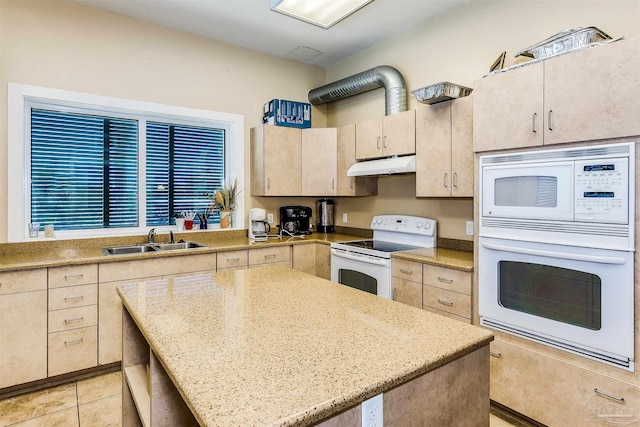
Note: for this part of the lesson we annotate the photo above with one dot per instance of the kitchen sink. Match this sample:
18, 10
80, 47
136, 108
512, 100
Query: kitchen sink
177, 245
128, 249
150, 247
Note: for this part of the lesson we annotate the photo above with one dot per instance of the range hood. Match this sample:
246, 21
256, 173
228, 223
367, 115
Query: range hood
389, 166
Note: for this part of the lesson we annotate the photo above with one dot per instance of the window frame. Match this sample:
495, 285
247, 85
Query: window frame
21, 98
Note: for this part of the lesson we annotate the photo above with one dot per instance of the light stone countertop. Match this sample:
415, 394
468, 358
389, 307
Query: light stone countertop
278, 347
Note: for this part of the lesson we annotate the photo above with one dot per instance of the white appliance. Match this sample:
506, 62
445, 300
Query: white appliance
258, 225
555, 249
366, 264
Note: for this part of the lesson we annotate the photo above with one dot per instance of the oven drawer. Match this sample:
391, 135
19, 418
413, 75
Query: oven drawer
447, 278
445, 300
408, 270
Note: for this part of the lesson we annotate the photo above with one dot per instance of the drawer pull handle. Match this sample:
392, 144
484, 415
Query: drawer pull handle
73, 276
402, 270
70, 299
68, 321
495, 354
445, 302
533, 122
443, 280
608, 396
74, 342
269, 256
233, 259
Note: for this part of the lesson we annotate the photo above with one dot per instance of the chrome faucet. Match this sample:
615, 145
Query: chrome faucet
151, 235
171, 235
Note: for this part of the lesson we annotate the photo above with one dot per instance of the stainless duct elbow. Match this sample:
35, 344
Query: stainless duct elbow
381, 76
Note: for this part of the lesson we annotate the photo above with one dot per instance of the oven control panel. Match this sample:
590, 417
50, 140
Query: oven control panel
404, 224
601, 191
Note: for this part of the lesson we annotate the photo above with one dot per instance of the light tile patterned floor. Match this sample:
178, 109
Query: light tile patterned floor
94, 402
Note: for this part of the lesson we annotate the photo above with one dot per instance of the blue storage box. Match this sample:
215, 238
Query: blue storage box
281, 112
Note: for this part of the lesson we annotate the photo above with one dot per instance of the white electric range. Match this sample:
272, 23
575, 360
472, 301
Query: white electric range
366, 264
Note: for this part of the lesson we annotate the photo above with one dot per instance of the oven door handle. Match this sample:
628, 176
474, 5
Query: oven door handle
560, 255
362, 258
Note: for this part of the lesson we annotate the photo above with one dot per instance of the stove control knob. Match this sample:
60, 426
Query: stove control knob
427, 225
419, 224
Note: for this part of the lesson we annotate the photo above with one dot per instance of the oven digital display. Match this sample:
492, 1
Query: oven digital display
598, 168
598, 194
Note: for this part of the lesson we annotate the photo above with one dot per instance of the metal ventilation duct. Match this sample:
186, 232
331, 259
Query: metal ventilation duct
382, 76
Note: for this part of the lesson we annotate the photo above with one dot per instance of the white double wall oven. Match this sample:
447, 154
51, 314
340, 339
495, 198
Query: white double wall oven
556, 246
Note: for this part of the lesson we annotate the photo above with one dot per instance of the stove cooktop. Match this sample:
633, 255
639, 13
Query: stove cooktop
378, 245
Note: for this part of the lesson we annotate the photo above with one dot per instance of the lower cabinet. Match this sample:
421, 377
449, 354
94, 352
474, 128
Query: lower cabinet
271, 255
557, 393
304, 258
406, 282
323, 261
23, 326
72, 350
232, 260
447, 291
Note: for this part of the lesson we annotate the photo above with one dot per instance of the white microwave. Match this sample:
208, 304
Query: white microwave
548, 194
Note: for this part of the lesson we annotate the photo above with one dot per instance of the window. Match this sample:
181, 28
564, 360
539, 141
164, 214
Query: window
96, 166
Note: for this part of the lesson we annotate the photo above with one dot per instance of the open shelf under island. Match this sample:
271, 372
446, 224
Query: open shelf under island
275, 346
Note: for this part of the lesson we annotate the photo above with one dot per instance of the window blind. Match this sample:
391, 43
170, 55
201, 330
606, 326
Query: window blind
83, 170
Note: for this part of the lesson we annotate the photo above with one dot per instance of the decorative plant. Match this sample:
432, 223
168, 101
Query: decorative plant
224, 198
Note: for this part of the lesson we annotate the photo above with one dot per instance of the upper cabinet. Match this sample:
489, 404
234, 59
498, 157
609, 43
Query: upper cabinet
352, 185
444, 149
319, 162
393, 135
587, 95
275, 161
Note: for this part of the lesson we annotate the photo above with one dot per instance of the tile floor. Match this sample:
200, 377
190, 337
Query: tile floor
93, 402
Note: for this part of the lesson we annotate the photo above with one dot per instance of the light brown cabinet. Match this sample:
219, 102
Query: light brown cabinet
351, 185
272, 255
275, 161
23, 331
319, 162
304, 258
582, 96
557, 393
232, 260
444, 149
323, 261
406, 282
447, 291
393, 135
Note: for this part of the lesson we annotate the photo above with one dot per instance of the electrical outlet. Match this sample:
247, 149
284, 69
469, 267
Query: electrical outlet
270, 218
469, 228
345, 218
372, 412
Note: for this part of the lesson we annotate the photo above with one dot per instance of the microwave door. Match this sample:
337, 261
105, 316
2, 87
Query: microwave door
529, 191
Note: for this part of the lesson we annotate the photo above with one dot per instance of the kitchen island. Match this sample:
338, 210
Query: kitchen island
275, 346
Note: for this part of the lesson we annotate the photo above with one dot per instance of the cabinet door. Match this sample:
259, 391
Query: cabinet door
593, 94
304, 258
407, 292
323, 261
508, 109
462, 147
23, 337
275, 161
557, 393
369, 139
399, 134
319, 161
346, 153
433, 150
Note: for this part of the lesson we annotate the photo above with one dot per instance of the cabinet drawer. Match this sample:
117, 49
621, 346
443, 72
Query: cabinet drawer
12, 282
449, 315
129, 270
73, 318
447, 278
73, 350
557, 393
282, 263
73, 275
233, 259
449, 301
269, 255
73, 296
408, 270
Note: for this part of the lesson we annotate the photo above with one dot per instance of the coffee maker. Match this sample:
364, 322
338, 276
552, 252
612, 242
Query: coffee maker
295, 220
258, 226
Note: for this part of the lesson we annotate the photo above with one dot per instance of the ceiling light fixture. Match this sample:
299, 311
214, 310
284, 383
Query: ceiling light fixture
323, 13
